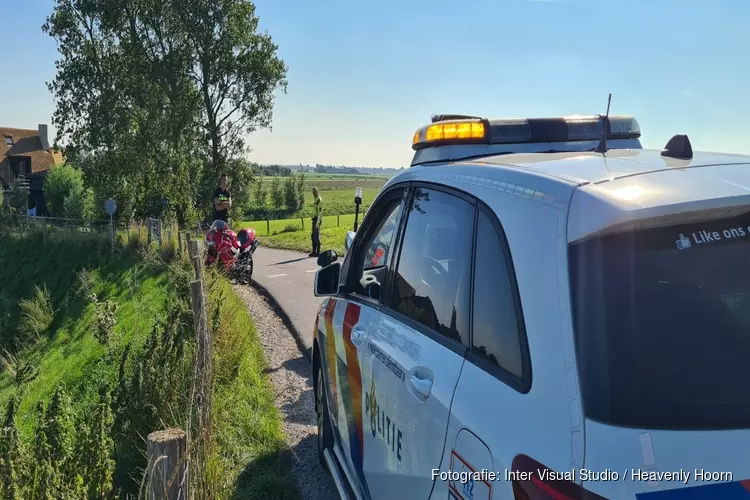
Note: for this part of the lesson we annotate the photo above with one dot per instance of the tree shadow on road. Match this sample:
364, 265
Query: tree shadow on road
292, 261
268, 476
294, 473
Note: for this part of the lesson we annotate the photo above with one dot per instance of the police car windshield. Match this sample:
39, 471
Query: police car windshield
662, 326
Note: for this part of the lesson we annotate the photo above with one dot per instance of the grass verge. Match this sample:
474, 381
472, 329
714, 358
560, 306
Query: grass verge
251, 457
143, 360
331, 238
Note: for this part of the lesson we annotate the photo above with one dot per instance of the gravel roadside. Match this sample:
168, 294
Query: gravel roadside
291, 377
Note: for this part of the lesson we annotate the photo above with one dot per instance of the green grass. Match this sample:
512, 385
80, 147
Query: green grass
280, 226
288, 234
293, 232
68, 351
338, 198
331, 238
252, 459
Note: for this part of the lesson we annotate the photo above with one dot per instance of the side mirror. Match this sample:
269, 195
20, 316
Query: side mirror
327, 257
327, 280
349, 240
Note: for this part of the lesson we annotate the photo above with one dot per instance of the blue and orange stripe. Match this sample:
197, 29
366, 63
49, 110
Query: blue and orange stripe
356, 438
331, 356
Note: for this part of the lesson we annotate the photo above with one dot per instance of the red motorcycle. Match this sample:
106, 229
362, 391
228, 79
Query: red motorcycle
234, 252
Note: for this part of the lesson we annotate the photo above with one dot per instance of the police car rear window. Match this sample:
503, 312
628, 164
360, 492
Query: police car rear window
662, 326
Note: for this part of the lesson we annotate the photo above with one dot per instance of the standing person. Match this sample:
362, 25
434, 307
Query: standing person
222, 200
316, 223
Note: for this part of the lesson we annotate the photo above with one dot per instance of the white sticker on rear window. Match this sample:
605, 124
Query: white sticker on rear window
702, 237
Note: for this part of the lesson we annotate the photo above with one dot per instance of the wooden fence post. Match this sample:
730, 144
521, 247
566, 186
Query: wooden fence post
338, 220
167, 459
195, 258
268, 225
303, 222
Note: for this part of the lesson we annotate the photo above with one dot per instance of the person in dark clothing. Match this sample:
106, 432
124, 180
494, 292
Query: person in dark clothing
222, 200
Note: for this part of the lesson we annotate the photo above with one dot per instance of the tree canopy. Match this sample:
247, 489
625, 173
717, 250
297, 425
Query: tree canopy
153, 97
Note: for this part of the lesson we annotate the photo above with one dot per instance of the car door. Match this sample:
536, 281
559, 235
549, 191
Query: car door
416, 351
350, 317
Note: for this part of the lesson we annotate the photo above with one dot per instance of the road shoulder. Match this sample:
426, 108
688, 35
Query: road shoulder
291, 377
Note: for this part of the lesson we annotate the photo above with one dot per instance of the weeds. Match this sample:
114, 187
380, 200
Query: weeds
105, 321
37, 314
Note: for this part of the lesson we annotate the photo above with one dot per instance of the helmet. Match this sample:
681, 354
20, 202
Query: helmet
219, 225
246, 237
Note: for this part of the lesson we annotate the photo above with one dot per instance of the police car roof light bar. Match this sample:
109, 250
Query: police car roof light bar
526, 130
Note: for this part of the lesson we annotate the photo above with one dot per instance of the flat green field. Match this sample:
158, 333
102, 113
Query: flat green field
290, 225
331, 238
292, 230
336, 200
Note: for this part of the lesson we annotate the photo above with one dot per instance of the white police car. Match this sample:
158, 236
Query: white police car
561, 316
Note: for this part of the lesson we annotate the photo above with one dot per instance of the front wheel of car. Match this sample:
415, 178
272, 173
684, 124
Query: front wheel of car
325, 436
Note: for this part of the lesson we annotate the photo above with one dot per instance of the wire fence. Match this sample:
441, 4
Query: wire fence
269, 227
24, 223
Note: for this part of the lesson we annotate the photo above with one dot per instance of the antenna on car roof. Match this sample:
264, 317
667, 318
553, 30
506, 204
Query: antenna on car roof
602, 147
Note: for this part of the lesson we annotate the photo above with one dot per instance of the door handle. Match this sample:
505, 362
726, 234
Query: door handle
358, 334
421, 387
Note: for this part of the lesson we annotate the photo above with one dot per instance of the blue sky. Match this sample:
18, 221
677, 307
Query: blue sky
364, 75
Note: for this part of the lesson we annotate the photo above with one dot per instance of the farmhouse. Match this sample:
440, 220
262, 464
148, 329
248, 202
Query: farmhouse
25, 158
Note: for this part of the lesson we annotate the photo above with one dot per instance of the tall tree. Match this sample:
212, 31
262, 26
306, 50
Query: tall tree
236, 69
153, 96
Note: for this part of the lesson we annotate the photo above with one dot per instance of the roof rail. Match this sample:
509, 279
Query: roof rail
440, 118
678, 147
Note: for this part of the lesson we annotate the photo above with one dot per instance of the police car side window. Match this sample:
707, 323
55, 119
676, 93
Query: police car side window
497, 336
370, 257
379, 249
434, 269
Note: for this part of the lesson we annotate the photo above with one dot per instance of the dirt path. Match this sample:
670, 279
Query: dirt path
291, 377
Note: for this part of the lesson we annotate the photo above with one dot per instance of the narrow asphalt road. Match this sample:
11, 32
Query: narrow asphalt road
288, 277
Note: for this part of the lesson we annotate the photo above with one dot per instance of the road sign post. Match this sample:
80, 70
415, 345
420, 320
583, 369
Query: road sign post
357, 203
110, 206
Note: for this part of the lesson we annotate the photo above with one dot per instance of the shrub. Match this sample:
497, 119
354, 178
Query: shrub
58, 185
19, 198
79, 204
36, 314
290, 194
260, 192
289, 228
105, 321
301, 190
12, 456
277, 194
98, 449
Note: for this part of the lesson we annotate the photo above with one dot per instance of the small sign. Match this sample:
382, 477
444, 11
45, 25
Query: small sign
110, 206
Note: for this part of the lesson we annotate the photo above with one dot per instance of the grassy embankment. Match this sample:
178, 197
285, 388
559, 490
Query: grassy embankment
144, 365
337, 192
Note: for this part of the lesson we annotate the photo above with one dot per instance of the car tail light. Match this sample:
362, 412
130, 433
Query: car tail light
534, 481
